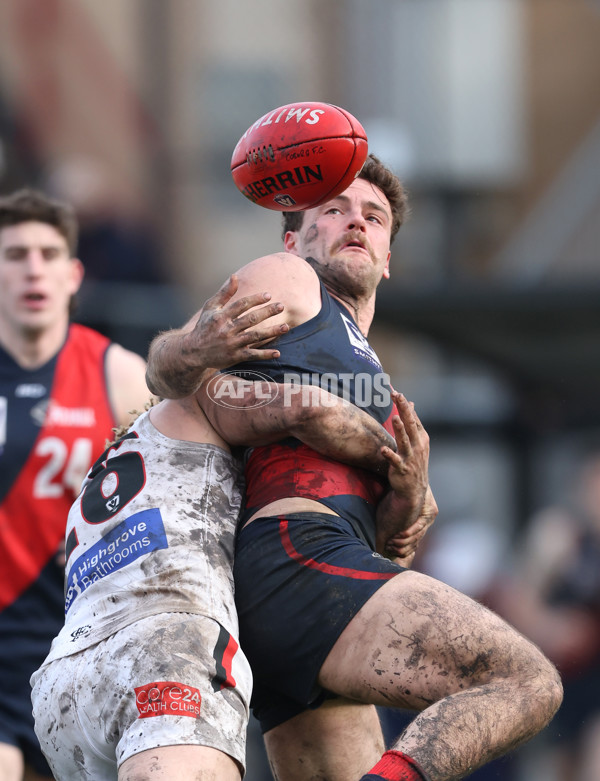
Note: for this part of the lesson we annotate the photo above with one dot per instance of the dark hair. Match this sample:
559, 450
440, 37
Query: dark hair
377, 173
29, 205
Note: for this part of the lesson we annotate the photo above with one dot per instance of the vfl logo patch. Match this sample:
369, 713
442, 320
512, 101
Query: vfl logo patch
113, 504
167, 698
284, 200
38, 412
361, 347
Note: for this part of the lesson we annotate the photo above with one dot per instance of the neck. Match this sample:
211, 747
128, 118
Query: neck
33, 348
362, 311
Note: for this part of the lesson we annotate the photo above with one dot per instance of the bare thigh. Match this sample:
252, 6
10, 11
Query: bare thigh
417, 640
11, 763
478, 687
184, 763
339, 741
12, 767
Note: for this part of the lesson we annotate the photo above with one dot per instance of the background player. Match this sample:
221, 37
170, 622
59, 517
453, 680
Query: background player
319, 614
62, 389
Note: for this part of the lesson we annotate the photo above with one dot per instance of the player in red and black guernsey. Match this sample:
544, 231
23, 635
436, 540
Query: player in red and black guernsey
331, 627
342, 361
63, 387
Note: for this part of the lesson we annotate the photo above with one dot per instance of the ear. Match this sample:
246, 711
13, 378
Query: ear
290, 242
386, 268
77, 274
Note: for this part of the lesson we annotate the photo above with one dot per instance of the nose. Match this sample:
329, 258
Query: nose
35, 263
356, 219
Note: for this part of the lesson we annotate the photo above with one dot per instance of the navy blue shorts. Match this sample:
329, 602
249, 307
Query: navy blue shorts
27, 628
299, 580
16, 728
16, 718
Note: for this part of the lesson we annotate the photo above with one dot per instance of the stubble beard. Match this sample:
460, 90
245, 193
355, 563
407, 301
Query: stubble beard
343, 281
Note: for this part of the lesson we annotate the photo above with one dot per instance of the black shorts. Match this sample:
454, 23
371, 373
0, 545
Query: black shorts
299, 580
16, 718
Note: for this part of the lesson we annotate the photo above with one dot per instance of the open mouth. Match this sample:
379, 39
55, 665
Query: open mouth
353, 243
34, 299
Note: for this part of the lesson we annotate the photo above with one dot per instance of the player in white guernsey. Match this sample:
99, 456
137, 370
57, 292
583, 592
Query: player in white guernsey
148, 656
147, 679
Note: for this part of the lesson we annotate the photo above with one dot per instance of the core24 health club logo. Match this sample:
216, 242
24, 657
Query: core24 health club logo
167, 698
248, 389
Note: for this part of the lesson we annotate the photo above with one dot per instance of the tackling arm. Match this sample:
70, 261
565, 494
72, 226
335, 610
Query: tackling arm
235, 325
221, 334
339, 430
327, 423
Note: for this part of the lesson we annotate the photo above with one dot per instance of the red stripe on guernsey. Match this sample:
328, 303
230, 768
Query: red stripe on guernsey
73, 434
225, 649
279, 471
293, 469
230, 652
322, 566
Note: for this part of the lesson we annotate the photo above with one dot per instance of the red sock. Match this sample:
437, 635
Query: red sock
396, 766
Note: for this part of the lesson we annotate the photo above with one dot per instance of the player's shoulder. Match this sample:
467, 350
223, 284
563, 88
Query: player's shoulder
125, 366
121, 356
279, 272
126, 379
279, 261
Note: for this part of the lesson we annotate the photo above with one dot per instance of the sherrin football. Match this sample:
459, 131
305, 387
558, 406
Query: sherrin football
299, 156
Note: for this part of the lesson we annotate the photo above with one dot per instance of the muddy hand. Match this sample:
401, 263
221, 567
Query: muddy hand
408, 476
403, 546
229, 332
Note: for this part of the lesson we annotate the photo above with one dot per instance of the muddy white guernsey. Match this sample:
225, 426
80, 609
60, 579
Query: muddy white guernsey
151, 532
148, 585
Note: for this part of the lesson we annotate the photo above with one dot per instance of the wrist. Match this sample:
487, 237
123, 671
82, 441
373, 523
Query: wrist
187, 371
403, 504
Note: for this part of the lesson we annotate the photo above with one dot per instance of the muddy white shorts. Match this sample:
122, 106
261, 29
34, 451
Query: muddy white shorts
171, 679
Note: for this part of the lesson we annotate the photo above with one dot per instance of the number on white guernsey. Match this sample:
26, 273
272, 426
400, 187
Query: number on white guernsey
113, 487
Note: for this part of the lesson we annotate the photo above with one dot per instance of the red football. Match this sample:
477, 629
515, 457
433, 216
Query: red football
299, 156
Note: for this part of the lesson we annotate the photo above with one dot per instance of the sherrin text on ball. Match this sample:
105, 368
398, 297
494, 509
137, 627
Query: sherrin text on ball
299, 156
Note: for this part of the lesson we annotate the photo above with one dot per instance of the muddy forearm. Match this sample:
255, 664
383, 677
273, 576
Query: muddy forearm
328, 424
341, 431
173, 371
